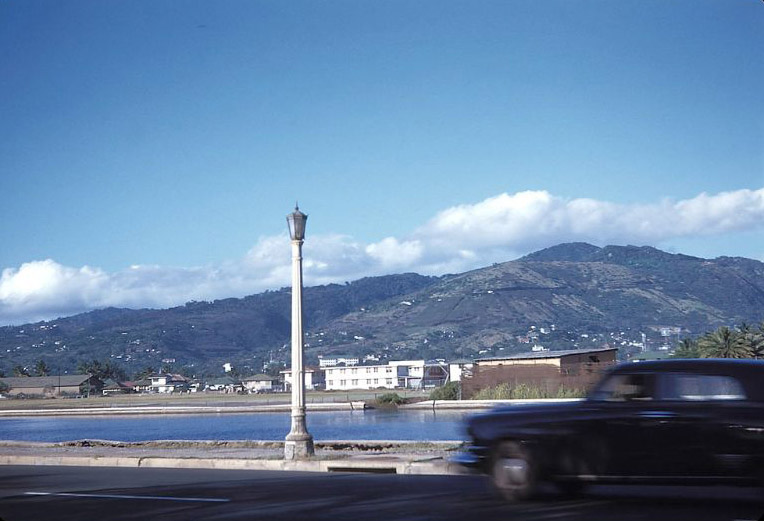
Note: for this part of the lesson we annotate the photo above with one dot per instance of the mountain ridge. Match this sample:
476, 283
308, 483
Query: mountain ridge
575, 291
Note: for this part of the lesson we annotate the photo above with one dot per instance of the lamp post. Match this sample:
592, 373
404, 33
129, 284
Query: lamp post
299, 443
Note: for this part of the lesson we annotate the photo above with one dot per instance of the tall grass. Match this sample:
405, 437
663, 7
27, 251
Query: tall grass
526, 392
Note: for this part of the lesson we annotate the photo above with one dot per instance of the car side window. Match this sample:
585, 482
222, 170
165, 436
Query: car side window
703, 387
626, 387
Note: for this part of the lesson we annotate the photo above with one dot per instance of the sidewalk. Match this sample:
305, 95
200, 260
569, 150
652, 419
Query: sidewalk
392, 457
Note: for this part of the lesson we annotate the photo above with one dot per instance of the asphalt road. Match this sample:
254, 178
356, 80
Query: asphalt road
85, 493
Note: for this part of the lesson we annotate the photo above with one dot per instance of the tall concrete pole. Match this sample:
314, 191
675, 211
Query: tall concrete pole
299, 443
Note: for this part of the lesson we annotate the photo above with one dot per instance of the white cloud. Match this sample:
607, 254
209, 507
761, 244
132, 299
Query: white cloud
529, 220
391, 253
456, 239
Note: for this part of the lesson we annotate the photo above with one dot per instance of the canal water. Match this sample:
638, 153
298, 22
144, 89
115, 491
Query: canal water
372, 424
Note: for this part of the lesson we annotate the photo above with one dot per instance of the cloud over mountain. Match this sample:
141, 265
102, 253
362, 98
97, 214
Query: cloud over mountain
456, 239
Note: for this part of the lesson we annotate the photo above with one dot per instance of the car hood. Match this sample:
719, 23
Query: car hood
526, 414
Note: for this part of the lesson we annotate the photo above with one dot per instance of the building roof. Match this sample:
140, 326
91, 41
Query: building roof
26, 382
548, 354
260, 378
224, 380
114, 384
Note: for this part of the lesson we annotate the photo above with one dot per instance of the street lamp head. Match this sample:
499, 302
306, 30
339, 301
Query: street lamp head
296, 221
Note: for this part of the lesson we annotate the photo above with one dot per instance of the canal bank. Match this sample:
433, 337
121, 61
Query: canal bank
179, 409
359, 405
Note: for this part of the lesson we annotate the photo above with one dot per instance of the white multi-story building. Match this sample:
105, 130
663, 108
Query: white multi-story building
334, 361
404, 374
314, 379
361, 377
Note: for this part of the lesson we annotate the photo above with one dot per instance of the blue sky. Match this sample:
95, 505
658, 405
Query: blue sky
150, 149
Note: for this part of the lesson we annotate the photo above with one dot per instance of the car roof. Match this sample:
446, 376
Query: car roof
695, 364
749, 372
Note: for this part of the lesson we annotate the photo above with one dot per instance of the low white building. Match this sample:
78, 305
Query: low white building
260, 383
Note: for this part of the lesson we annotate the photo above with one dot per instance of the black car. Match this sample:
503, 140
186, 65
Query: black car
672, 421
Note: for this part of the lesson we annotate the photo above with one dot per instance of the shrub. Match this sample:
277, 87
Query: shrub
450, 391
390, 399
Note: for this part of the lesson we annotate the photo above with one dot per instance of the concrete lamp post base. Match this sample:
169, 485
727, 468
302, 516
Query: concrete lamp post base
300, 448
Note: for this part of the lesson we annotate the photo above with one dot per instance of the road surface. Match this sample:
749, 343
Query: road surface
42, 493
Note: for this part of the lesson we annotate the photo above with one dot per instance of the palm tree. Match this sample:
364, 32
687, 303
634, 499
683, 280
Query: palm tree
102, 370
41, 368
20, 370
724, 343
146, 373
687, 348
756, 340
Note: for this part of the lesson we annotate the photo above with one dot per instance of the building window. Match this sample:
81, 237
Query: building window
389, 381
343, 382
355, 382
376, 381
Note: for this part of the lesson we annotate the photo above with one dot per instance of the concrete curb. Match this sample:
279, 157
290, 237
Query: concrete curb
381, 464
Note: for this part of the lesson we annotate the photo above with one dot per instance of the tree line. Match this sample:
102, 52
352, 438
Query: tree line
744, 341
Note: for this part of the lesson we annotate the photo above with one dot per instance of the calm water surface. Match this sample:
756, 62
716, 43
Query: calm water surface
335, 425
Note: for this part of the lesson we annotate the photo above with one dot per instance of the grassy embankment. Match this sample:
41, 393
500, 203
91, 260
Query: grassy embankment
199, 399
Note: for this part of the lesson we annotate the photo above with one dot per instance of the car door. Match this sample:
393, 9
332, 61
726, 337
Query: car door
629, 429
703, 430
